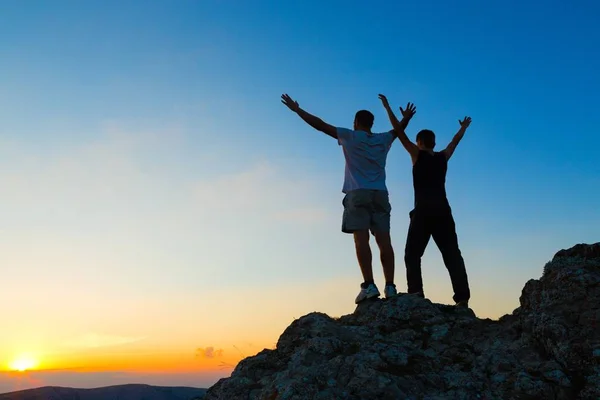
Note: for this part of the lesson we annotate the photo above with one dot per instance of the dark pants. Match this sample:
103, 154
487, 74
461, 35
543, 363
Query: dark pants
441, 226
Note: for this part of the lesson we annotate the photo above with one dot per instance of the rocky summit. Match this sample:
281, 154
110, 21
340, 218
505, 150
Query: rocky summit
410, 348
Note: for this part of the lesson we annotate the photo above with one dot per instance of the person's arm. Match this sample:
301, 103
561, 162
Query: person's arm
464, 124
400, 126
310, 119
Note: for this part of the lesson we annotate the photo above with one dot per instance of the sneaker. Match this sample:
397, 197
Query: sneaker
367, 293
464, 303
390, 291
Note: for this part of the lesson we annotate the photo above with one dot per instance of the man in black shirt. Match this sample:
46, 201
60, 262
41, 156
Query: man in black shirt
432, 215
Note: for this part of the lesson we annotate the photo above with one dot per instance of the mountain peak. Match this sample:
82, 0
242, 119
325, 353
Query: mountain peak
410, 348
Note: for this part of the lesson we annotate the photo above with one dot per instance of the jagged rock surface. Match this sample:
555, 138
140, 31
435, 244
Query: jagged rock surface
410, 348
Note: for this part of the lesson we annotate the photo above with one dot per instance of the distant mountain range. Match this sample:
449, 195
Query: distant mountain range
120, 392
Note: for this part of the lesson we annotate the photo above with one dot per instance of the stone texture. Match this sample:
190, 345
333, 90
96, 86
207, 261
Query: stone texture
411, 348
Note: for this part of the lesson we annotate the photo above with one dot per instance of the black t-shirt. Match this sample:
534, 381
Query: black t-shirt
429, 182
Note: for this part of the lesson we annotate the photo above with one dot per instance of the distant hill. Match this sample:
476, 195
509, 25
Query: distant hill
120, 392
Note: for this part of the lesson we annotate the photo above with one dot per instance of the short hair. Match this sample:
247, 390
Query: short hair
364, 118
427, 137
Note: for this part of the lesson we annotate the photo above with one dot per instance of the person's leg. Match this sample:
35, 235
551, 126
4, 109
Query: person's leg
380, 226
444, 235
368, 289
357, 220
386, 254
364, 255
416, 242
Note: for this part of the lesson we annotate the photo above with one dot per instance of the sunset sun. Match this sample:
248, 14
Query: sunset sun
22, 364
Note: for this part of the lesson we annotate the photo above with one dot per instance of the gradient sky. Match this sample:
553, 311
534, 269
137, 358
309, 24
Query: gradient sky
163, 215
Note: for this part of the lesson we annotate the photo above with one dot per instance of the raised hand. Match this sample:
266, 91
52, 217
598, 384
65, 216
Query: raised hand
465, 122
384, 101
290, 103
410, 110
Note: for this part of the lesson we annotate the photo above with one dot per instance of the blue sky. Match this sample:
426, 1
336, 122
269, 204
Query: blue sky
145, 157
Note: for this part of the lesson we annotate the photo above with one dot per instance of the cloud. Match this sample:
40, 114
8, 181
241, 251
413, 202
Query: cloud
262, 187
94, 340
131, 180
209, 352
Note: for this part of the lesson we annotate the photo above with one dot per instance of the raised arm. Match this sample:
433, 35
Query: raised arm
310, 119
400, 126
464, 124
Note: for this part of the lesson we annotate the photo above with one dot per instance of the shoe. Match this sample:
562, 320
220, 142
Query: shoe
367, 293
464, 303
390, 291
418, 294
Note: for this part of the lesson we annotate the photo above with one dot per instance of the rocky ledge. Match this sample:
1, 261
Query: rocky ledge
411, 348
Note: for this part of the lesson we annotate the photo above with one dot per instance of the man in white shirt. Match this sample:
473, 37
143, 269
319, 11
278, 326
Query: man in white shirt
366, 204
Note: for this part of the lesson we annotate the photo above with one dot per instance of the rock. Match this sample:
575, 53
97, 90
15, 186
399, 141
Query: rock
585, 251
410, 348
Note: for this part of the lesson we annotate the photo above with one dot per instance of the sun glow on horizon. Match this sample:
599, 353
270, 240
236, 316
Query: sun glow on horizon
23, 363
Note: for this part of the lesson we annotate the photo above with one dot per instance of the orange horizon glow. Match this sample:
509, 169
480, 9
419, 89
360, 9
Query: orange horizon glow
212, 343
143, 362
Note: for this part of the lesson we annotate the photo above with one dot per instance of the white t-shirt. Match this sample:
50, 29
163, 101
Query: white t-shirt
366, 155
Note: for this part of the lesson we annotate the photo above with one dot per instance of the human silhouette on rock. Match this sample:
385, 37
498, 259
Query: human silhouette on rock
366, 203
431, 215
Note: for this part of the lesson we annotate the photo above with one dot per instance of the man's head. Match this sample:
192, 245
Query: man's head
426, 139
363, 120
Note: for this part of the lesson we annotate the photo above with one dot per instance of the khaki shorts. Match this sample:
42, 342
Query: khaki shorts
366, 209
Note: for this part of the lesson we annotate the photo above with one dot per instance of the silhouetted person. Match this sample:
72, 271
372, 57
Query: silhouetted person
366, 204
432, 215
